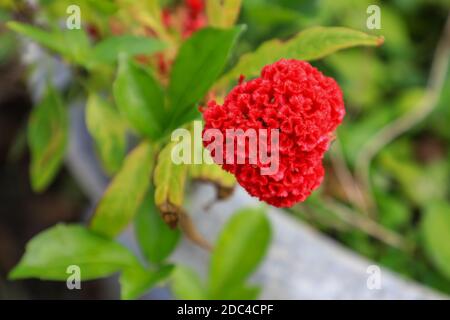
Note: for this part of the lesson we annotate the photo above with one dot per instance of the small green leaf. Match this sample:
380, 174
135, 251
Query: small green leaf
223, 13
155, 238
240, 292
50, 253
125, 193
436, 232
186, 284
103, 6
136, 281
108, 50
47, 138
51, 40
76, 46
169, 180
311, 44
240, 248
72, 44
108, 130
207, 171
139, 98
202, 58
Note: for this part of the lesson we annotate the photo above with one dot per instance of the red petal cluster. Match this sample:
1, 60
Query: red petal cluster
304, 105
187, 18
195, 18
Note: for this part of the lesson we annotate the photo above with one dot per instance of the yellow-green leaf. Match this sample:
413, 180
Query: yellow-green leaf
156, 240
137, 280
436, 233
139, 98
108, 50
72, 44
187, 285
47, 138
125, 193
108, 130
311, 44
241, 246
49, 254
203, 56
51, 40
223, 13
169, 181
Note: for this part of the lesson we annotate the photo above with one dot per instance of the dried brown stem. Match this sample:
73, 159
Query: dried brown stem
351, 187
191, 232
366, 224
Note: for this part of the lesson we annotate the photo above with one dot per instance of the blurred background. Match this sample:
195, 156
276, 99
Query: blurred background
386, 194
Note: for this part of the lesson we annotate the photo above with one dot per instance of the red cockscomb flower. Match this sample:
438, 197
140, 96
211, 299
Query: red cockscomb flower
304, 105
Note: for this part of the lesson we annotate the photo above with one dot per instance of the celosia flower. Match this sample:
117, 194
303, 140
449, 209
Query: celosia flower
306, 107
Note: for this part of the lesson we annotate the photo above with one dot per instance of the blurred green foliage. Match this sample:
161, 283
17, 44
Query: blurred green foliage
409, 178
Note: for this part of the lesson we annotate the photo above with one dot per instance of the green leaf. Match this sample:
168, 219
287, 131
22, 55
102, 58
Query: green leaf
72, 44
139, 98
136, 281
125, 193
436, 233
311, 44
186, 284
51, 40
47, 138
207, 171
240, 248
169, 180
103, 6
202, 58
50, 253
108, 130
155, 238
108, 50
76, 46
223, 13
241, 292
255, 13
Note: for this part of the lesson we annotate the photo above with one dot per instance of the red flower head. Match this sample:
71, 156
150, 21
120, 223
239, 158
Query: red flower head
304, 105
195, 18
195, 6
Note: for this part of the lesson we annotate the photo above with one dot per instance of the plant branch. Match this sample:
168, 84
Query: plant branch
346, 179
366, 224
